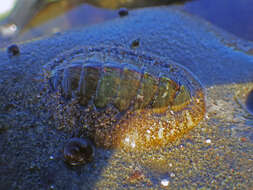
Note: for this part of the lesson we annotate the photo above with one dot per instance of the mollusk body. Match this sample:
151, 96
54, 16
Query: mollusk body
128, 100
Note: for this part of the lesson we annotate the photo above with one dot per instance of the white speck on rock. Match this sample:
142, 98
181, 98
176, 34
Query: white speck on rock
165, 182
127, 139
133, 144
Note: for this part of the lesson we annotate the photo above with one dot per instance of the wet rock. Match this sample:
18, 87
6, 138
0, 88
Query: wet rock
168, 33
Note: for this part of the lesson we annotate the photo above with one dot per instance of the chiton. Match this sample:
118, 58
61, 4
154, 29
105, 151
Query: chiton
124, 99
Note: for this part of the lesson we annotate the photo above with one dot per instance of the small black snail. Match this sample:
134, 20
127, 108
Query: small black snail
78, 151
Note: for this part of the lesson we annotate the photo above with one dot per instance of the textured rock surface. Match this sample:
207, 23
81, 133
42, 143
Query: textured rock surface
217, 154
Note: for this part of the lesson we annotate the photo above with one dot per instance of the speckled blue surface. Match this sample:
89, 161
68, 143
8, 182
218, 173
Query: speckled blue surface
164, 31
27, 142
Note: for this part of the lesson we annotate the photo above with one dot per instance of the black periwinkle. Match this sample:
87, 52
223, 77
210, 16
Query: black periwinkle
78, 151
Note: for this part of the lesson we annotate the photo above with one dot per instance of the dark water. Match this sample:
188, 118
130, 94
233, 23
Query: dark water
234, 16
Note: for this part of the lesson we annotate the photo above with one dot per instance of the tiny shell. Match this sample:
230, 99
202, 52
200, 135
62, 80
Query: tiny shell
123, 12
78, 151
13, 50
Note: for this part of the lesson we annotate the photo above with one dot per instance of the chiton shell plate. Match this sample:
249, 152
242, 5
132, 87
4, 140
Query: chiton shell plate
124, 99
